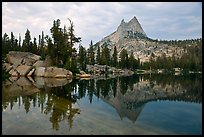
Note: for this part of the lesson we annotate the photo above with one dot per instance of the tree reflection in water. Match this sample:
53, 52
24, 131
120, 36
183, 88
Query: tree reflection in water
127, 95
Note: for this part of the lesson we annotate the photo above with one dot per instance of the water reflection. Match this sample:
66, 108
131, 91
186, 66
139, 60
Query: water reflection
58, 98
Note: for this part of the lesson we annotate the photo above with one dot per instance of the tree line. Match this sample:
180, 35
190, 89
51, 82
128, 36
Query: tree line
190, 60
60, 48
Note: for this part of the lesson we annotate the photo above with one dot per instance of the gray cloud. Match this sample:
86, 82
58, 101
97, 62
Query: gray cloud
95, 20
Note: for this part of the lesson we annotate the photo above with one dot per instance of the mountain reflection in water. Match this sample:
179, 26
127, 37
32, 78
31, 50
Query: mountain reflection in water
128, 95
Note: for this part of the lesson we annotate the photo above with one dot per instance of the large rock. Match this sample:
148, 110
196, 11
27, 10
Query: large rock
28, 64
23, 70
7, 66
28, 61
48, 61
25, 58
39, 63
39, 72
84, 75
57, 72
14, 61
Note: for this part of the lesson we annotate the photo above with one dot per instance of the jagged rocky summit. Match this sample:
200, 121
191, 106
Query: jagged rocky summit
124, 30
131, 36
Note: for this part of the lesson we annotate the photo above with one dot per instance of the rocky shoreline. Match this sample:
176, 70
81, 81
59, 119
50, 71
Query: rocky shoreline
26, 64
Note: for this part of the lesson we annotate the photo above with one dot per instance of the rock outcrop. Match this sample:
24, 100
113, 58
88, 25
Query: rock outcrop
131, 37
83, 75
57, 72
25, 58
103, 69
28, 64
23, 70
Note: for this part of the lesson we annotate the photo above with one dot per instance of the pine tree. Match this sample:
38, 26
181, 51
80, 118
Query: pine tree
16, 48
12, 41
42, 40
34, 46
124, 59
19, 42
82, 58
115, 58
71, 64
133, 63
56, 34
27, 41
50, 48
91, 56
71, 52
39, 41
72, 39
64, 44
98, 56
5, 45
105, 56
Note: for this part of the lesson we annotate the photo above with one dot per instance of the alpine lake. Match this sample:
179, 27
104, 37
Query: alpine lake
155, 104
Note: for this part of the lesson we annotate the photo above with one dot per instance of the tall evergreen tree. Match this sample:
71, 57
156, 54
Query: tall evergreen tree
71, 51
34, 50
65, 43
6, 46
58, 43
71, 64
26, 42
124, 59
115, 57
19, 41
105, 56
16, 48
12, 41
39, 41
72, 39
42, 40
82, 58
50, 48
133, 63
91, 56
98, 56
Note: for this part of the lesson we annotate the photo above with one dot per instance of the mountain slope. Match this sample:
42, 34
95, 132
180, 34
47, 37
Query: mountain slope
131, 36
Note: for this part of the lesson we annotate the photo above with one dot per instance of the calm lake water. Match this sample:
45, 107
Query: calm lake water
138, 104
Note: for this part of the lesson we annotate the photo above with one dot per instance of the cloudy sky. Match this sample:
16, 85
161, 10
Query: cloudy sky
95, 20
